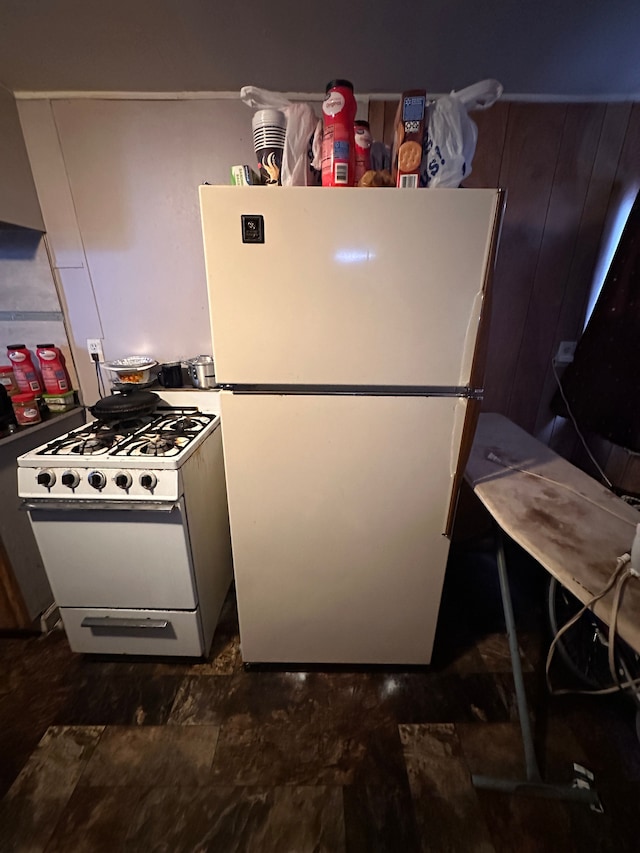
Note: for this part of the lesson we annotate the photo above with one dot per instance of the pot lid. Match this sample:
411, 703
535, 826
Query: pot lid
125, 403
200, 359
130, 363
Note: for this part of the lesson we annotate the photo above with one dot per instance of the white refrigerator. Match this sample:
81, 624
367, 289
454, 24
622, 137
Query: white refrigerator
348, 328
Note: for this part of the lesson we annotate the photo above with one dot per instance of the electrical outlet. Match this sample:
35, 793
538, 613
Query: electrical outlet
94, 345
565, 352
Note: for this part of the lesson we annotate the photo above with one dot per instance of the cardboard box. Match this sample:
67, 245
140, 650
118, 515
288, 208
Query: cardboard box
411, 125
244, 176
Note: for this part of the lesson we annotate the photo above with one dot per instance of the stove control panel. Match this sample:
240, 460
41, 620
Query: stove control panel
88, 483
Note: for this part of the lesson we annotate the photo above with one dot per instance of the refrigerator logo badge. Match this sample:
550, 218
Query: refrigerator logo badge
252, 228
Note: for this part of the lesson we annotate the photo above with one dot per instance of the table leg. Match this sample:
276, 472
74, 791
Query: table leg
533, 785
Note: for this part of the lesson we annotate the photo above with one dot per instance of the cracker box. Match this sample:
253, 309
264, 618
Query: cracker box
244, 176
411, 124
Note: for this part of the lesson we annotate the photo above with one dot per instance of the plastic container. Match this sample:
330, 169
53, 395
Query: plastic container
59, 402
54, 372
7, 379
25, 371
362, 138
25, 407
338, 146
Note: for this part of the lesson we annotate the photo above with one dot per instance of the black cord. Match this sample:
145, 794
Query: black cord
99, 381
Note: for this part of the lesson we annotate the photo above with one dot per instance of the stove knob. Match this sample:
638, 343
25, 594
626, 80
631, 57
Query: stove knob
70, 479
46, 478
148, 481
123, 480
97, 480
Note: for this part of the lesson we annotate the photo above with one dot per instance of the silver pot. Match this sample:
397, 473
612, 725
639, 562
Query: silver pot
201, 371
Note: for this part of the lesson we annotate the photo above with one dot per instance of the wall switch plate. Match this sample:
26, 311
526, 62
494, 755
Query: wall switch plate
565, 352
94, 346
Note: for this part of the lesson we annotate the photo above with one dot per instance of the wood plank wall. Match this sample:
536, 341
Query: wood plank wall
566, 168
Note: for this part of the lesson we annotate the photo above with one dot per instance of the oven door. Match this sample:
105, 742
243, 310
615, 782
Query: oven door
101, 555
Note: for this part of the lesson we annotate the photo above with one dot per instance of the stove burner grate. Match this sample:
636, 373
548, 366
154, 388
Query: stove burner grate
187, 424
165, 433
152, 444
82, 444
184, 424
156, 446
91, 445
124, 426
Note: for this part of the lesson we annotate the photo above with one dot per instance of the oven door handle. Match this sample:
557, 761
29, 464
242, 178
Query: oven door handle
114, 622
57, 505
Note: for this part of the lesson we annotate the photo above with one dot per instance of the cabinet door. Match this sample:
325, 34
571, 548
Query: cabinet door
18, 200
13, 612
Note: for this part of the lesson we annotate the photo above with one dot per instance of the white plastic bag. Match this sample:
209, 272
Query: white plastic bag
452, 136
301, 126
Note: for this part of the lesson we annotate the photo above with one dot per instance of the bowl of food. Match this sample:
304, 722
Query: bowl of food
132, 370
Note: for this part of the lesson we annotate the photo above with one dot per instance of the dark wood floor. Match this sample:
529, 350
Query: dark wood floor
149, 755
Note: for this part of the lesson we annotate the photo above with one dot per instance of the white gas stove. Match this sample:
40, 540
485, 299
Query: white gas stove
131, 520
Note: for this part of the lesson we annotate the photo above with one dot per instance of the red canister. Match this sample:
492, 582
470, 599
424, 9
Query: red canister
362, 136
25, 407
54, 372
24, 370
338, 148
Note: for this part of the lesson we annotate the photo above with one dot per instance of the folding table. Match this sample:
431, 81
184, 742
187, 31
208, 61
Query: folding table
575, 528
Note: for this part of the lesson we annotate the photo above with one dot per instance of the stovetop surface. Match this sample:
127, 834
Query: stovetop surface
168, 433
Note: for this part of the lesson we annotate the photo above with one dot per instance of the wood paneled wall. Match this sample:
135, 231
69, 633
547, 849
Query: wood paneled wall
566, 168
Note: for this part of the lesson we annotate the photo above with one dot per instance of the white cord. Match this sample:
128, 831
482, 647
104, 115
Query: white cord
605, 479
623, 572
619, 577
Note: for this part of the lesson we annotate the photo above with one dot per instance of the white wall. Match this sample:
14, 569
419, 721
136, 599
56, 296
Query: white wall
118, 186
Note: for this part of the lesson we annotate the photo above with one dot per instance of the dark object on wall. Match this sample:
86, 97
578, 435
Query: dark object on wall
602, 384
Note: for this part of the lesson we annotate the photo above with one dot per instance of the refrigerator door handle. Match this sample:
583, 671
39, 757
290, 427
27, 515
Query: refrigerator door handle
464, 391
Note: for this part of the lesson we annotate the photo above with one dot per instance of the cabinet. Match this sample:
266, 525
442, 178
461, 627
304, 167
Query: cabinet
24, 589
18, 200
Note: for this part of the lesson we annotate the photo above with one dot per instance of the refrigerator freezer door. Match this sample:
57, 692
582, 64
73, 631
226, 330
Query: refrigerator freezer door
362, 287
337, 507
